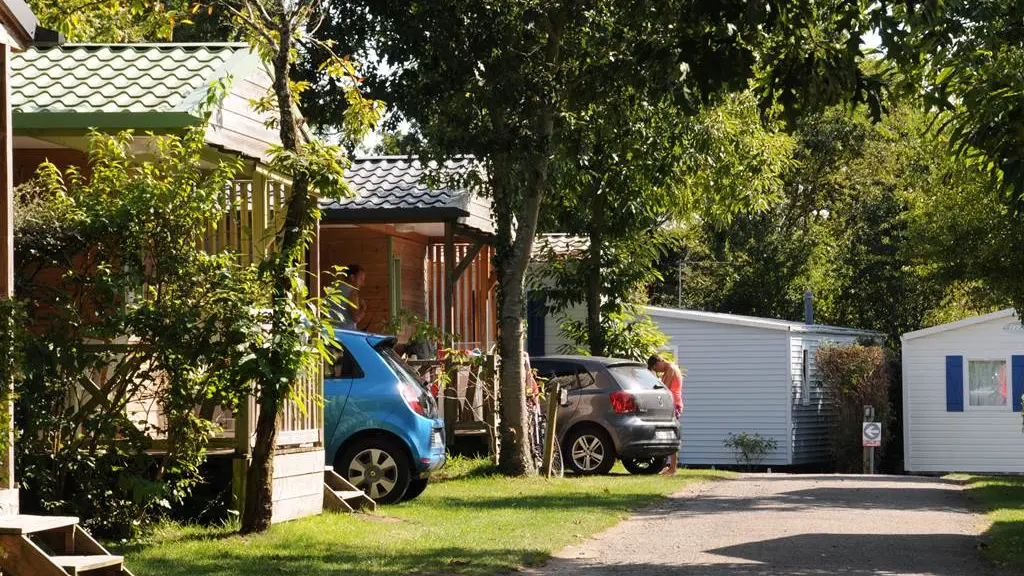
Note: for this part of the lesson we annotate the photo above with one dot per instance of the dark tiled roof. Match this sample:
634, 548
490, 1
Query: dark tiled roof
396, 189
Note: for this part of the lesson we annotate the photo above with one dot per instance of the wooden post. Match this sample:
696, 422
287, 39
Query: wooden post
490, 375
260, 238
868, 458
7, 253
448, 309
549, 435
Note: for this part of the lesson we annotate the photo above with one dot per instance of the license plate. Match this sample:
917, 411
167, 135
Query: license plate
435, 438
665, 434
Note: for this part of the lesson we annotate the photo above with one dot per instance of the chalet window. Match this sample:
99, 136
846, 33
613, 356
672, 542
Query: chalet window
986, 382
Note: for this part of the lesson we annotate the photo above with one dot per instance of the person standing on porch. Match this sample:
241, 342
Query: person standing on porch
672, 378
350, 311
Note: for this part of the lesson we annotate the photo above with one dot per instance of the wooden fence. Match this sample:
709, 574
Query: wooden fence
467, 397
475, 308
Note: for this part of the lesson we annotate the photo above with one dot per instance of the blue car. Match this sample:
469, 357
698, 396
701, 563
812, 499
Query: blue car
381, 426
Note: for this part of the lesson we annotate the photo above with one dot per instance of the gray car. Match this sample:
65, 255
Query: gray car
614, 409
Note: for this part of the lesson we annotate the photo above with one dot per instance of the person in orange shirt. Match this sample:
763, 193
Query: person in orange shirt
672, 378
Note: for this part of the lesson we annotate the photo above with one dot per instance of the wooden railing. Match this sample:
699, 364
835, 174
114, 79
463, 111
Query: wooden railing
255, 215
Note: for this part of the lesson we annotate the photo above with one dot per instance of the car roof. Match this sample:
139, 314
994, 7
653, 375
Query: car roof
588, 361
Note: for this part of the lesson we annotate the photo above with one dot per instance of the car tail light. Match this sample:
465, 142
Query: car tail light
623, 402
412, 397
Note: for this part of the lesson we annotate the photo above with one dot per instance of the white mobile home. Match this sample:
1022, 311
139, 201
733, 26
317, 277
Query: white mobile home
962, 388
754, 375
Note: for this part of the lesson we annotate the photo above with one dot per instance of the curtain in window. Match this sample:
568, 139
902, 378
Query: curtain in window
987, 382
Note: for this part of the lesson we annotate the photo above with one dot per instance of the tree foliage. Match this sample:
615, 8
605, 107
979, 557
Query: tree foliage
114, 21
505, 82
966, 58
631, 188
865, 223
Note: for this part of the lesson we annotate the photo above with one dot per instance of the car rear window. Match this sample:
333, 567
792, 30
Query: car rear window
635, 377
404, 372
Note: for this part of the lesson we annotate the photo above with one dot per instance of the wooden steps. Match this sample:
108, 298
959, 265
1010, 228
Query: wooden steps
341, 496
82, 564
53, 546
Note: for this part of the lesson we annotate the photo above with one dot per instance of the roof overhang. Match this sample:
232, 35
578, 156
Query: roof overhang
103, 120
974, 320
342, 215
19, 21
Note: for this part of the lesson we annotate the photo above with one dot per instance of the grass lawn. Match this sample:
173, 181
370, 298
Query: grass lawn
471, 523
1002, 499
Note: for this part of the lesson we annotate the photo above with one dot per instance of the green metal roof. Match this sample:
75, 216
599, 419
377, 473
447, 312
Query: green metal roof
109, 86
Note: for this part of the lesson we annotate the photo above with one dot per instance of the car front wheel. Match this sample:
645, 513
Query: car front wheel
377, 466
589, 451
645, 465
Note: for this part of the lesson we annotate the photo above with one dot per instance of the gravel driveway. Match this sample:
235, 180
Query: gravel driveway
794, 525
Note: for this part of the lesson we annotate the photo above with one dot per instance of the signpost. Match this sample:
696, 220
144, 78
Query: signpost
871, 437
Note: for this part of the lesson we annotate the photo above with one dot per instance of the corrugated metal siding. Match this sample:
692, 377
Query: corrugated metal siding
987, 439
736, 381
811, 408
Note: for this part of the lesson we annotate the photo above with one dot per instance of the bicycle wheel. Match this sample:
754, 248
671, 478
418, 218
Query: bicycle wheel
557, 466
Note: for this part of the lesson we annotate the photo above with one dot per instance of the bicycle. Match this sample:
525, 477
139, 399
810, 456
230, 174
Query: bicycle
538, 433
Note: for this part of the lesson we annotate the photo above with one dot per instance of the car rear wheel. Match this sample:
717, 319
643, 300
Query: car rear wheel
645, 465
416, 487
377, 466
589, 451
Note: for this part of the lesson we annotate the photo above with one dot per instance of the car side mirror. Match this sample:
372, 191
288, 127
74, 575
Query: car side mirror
563, 397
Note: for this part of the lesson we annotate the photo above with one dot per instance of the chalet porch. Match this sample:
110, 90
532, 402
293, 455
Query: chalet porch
425, 250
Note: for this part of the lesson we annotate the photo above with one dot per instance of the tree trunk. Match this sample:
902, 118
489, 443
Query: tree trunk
514, 458
259, 480
298, 220
512, 259
595, 333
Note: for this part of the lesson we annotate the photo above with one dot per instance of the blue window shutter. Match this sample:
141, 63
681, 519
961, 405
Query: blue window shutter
1017, 373
954, 383
535, 313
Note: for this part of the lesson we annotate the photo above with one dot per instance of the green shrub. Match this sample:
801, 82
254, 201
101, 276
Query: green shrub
854, 377
749, 449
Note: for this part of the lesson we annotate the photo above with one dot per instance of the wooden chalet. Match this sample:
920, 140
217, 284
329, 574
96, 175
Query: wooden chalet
60, 93
427, 248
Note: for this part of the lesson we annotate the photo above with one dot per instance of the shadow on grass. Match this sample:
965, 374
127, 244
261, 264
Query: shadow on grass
1002, 497
349, 560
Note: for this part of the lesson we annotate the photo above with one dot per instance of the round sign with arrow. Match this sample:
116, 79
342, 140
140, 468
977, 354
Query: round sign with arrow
872, 434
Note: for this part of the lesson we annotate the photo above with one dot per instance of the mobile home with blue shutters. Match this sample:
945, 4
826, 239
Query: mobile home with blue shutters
962, 389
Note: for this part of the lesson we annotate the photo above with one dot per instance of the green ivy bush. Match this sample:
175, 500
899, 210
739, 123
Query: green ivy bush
119, 293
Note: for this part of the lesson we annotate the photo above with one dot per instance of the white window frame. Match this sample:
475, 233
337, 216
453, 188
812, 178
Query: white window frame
1008, 407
